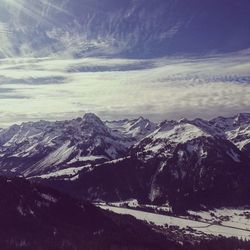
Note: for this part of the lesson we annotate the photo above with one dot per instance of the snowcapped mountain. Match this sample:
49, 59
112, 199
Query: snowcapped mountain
135, 129
64, 148
43, 147
173, 161
179, 163
236, 129
197, 155
123, 28
169, 134
193, 164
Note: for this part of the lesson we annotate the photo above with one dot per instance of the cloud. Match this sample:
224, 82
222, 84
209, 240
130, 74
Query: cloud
33, 80
8, 93
167, 88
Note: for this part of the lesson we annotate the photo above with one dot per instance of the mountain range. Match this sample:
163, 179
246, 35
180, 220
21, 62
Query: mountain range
187, 163
127, 28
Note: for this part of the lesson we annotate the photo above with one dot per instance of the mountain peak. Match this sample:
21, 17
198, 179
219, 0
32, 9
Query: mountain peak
140, 121
91, 117
242, 117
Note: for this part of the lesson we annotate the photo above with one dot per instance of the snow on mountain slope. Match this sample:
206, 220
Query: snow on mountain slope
180, 133
235, 129
136, 128
169, 135
66, 174
42, 147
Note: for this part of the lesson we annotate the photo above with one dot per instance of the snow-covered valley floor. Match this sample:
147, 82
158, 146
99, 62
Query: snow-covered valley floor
235, 222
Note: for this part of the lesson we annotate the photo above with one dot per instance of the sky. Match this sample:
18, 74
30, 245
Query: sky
58, 86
